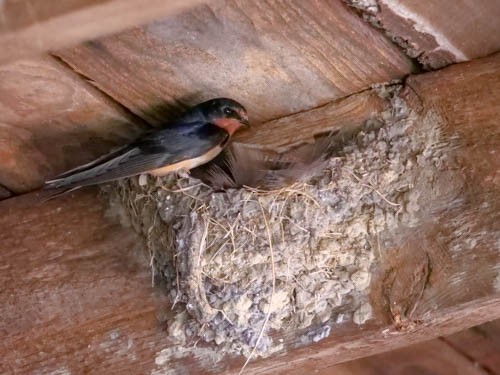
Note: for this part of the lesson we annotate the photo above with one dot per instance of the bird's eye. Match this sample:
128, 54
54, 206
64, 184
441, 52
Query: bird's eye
228, 111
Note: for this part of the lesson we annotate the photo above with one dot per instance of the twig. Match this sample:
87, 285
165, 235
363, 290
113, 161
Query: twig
151, 248
373, 188
180, 190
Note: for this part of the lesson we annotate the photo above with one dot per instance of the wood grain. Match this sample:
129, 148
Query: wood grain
438, 34
30, 27
472, 351
77, 293
78, 298
462, 236
348, 343
451, 256
51, 120
431, 358
76, 289
346, 113
480, 344
275, 57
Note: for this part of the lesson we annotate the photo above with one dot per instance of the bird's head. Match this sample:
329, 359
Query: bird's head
225, 113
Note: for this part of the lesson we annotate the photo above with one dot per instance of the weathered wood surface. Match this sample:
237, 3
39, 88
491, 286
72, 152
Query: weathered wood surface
275, 57
345, 113
475, 351
52, 120
439, 33
29, 27
349, 343
433, 357
480, 344
435, 263
77, 293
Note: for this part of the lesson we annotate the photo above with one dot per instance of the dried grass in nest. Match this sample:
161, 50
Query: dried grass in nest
240, 262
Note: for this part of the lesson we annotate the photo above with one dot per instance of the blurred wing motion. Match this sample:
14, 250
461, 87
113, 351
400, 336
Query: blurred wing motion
240, 165
157, 153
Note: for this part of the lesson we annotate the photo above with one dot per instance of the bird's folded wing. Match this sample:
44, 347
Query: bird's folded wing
128, 164
146, 154
113, 154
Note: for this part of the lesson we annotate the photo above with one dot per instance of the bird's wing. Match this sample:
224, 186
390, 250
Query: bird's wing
240, 165
101, 160
152, 151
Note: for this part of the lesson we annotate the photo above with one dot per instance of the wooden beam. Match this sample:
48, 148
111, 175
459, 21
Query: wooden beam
29, 27
74, 284
372, 340
52, 120
77, 294
435, 33
276, 58
481, 344
431, 357
345, 113
465, 218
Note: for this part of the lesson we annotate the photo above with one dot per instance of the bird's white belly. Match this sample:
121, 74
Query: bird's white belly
187, 164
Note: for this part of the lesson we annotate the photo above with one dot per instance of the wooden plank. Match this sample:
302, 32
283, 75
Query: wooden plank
52, 120
480, 344
432, 357
439, 266
29, 27
287, 131
275, 57
472, 351
70, 249
77, 296
435, 32
349, 343
76, 289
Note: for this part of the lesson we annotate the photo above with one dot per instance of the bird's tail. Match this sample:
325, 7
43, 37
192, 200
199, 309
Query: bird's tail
69, 182
52, 193
103, 169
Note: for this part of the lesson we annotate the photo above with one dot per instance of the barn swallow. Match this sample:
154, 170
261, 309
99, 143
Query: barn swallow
195, 138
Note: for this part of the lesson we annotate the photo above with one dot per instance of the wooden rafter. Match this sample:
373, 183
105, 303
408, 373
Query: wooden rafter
76, 289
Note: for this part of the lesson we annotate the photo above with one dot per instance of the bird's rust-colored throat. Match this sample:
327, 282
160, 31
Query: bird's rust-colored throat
229, 125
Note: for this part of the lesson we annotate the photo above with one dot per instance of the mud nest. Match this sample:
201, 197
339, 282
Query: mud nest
240, 263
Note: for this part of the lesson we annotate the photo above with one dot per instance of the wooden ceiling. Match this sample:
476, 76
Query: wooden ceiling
77, 294
277, 57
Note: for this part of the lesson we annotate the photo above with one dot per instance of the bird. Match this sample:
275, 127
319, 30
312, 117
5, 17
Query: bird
191, 140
